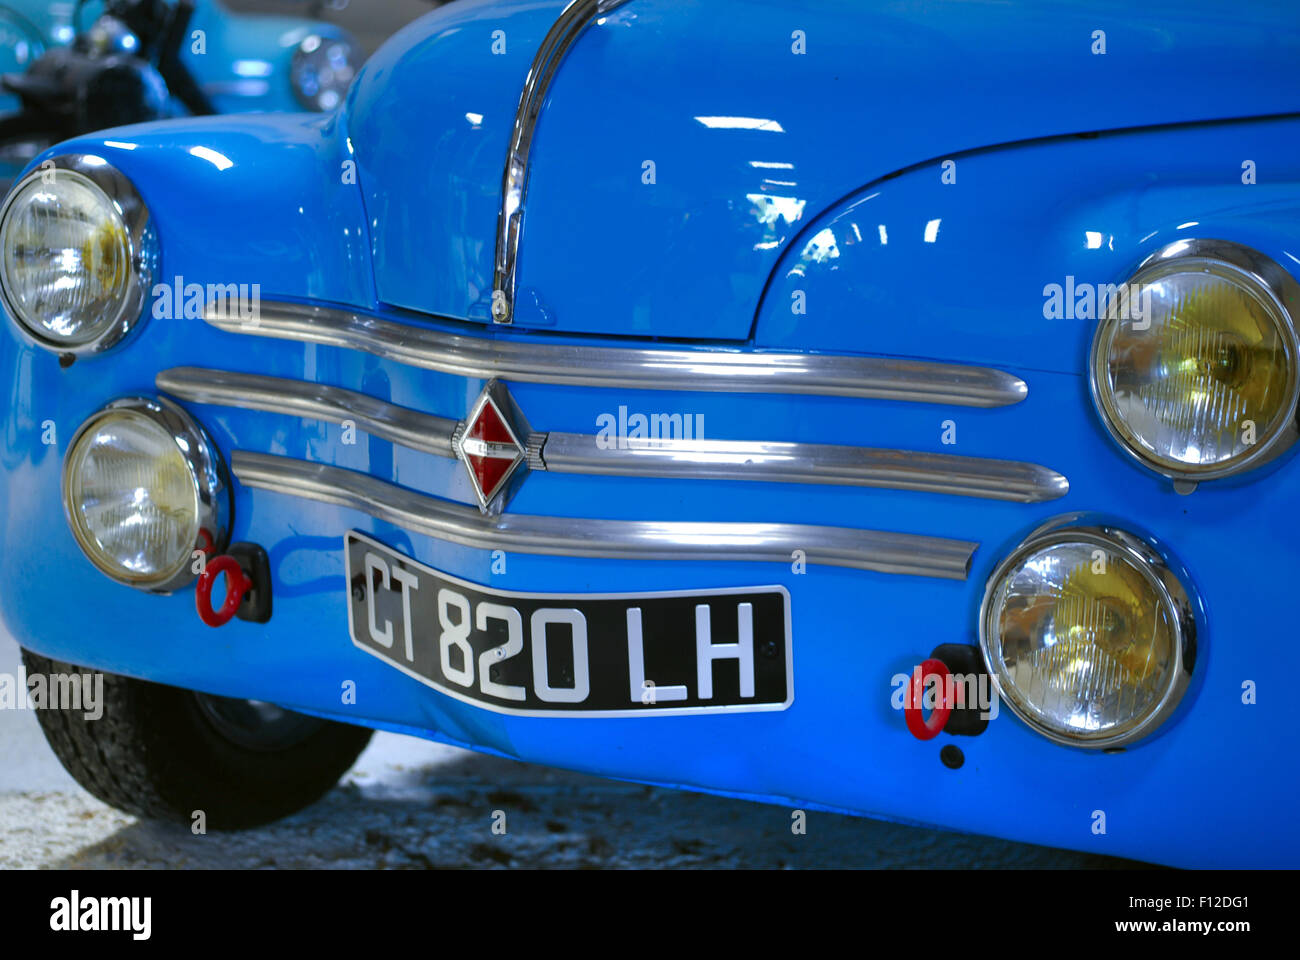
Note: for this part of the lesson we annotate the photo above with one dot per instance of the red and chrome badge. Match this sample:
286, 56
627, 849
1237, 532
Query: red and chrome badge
492, 446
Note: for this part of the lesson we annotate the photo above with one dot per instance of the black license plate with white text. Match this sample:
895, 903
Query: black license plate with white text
592, 655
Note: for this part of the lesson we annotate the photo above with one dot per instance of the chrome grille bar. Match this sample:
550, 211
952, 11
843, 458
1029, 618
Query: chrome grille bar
249, 391
806, 463
884, 552
668, 458
629, 368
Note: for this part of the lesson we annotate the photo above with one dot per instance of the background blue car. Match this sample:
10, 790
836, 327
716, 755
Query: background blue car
887, 409
238, 62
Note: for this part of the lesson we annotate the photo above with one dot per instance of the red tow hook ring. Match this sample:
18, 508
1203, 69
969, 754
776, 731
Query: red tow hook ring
921, 728
237, 586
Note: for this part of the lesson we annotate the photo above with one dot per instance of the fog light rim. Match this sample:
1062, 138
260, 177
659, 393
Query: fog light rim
1276, 287
208, 473
136, 219
1160, 571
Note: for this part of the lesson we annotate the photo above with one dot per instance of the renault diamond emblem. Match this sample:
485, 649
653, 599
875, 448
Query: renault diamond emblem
491, 442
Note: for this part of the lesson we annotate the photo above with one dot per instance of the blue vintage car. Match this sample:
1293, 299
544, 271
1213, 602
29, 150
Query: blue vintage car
881, 408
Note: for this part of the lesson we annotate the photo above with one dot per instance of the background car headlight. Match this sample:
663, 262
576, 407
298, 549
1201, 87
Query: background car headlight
1088, 635
1202, 380
143, 488
76, 255
322, 71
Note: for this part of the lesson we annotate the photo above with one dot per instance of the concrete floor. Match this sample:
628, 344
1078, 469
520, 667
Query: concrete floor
409, 803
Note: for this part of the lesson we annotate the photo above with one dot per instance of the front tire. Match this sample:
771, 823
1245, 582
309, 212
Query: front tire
166, 753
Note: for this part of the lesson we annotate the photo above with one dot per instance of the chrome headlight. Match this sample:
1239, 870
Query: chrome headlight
143, 488
1088, 635
322, 71
76, 255
1194, 369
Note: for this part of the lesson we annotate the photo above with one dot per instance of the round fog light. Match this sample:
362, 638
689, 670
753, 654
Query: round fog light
143, 488
1088, 635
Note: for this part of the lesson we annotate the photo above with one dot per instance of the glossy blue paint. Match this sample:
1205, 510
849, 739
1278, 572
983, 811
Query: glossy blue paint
749, 140
954, 261
430, 117
261, 200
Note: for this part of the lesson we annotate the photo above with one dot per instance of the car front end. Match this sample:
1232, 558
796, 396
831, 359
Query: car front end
680, 425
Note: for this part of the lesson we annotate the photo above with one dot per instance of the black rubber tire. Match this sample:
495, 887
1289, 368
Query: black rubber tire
155, 753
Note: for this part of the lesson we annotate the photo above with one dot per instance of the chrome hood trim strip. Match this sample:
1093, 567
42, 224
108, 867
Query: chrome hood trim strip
514, 185
883, 552
631, 368
772, 462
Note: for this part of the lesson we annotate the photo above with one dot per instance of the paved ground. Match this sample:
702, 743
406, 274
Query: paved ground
412, 804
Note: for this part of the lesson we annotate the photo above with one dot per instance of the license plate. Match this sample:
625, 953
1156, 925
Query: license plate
590, 655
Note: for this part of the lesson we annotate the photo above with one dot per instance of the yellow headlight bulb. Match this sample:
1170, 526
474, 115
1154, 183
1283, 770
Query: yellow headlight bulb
1219, 362
1195, 371
1105, 607
107, 257
1087, 635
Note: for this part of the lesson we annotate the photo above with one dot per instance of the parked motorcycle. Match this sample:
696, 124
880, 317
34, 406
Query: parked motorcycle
68, 68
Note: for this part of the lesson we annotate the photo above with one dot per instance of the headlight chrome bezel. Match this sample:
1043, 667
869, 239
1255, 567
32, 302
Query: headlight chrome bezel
1268, 282
307, 48
1169, 582
143, 253
208, 472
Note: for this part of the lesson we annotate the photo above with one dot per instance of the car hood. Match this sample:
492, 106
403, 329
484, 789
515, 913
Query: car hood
683, 146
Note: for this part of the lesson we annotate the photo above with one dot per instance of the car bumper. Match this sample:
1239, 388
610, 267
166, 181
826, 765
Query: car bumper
1205, 790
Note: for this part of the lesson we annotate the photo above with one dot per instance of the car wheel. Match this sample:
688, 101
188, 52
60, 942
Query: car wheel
166, 753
